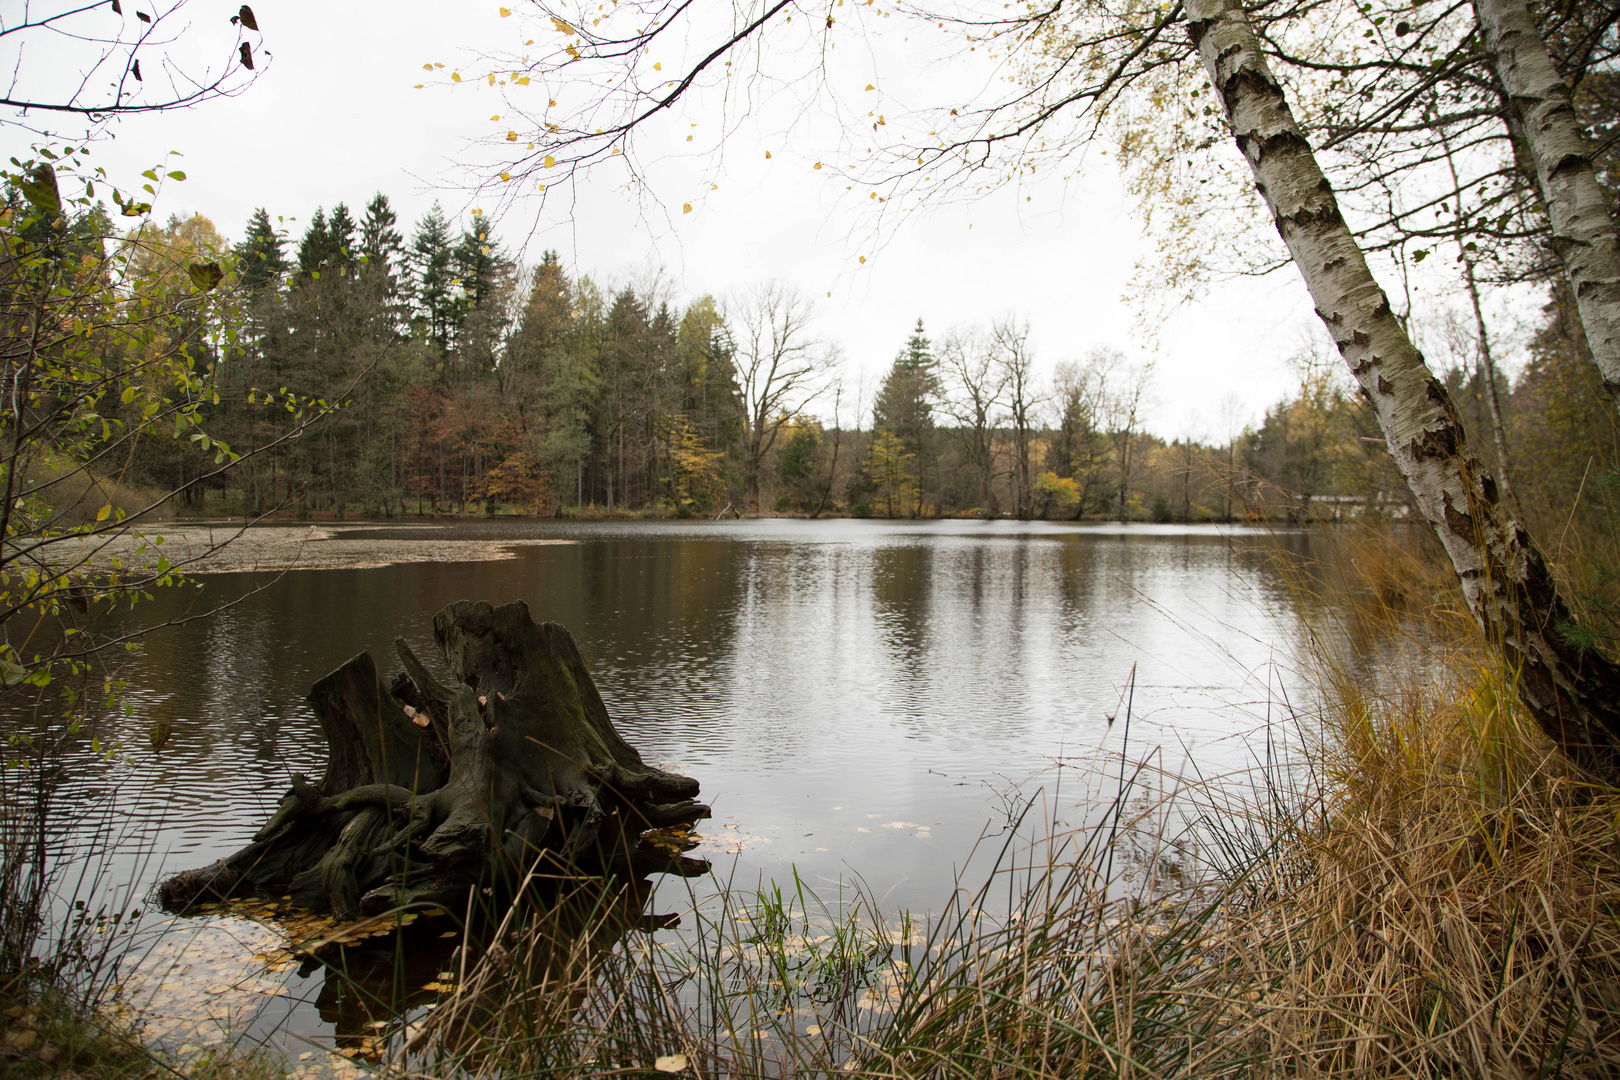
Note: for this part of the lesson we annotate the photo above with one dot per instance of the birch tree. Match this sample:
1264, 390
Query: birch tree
1573, 696
1583, 232
779, 370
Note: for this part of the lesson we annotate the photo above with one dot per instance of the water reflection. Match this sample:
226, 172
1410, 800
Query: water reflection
821, 679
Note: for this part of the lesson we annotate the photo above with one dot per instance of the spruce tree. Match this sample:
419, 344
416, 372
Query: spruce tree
904, 409
432, 281
382, 250
478, 262
380, 242
316, 246
260, 257
340, 230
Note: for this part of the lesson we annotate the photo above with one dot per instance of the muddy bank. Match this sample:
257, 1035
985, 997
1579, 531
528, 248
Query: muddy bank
226, 547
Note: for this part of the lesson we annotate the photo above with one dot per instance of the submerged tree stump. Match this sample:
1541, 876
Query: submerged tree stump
505, 775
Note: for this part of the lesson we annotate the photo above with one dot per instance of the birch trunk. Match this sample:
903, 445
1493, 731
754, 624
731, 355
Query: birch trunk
1573, 696
1583, 233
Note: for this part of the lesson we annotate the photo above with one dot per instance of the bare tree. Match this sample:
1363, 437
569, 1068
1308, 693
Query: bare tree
974, 389
779, 369
85, 59
1124, 401
1009, 339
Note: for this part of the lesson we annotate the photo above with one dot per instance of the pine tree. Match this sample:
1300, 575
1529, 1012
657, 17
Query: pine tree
260, 257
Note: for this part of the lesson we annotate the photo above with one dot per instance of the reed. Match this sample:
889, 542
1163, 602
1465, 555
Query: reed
1423, 889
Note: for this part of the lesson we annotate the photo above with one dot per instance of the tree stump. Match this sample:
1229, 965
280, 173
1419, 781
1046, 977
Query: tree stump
504, 776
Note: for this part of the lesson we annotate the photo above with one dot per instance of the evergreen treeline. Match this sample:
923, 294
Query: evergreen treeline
469, 384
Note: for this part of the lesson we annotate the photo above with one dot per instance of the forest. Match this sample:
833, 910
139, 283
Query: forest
468, 383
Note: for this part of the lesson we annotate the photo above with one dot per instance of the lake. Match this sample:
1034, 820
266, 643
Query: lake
859, 699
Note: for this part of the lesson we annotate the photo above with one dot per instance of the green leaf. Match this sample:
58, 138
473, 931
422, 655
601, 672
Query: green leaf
205, 275
40, 189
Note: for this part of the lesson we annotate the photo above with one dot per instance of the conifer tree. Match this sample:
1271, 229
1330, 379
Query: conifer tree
432, 284
383, 251
904, 409
260, 257
340, 229
316, 246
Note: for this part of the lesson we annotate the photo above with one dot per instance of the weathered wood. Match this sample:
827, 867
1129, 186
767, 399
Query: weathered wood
435, 787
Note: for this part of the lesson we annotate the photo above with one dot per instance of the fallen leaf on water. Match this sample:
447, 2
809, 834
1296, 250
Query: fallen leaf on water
813, 1029
670, 1063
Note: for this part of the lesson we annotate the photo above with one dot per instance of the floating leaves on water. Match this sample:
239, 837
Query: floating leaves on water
813, 1029
440, 987
671, 1063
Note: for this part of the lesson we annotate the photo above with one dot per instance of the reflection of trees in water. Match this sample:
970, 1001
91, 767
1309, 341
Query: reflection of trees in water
902, 594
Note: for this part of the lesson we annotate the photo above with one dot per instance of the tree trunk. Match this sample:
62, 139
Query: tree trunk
432, 790
1573, 696
1583, 233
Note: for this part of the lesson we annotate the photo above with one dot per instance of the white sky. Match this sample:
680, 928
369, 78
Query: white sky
334, 118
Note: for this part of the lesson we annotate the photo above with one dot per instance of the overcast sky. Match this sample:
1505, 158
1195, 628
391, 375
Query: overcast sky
334, 117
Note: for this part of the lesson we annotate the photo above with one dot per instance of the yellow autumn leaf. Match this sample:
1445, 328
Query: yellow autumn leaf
106, 511
418, 86
767, 155
686, 208
869, 86
551, 103
571, 51
506, 12
817, 165
714, 187
689, 138
455, 76
542, 187
511, 136
615, 151
492, 78
562, 27
670, 1063
497, 116
523, 81
658, 67
550, 161
506, 176
863, 258
427, 67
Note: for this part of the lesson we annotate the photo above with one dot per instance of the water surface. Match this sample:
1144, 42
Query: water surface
856, 697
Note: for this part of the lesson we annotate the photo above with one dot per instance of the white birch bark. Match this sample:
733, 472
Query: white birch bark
1583, 233
1574, 697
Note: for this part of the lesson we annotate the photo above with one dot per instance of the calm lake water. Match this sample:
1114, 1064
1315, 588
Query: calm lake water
857, 698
